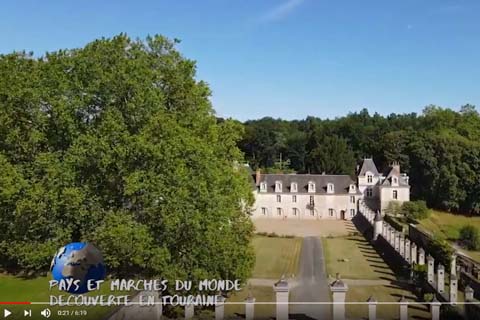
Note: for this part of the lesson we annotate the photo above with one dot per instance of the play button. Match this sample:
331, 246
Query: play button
6, 313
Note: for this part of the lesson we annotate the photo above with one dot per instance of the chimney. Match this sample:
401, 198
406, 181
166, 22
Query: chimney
396, 165
258, 176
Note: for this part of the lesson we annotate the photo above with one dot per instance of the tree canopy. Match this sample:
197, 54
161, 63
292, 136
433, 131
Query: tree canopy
117, 143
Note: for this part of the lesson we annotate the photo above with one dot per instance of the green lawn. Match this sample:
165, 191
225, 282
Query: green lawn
362, 260
14, 289
261, 294
448, 225
276, 256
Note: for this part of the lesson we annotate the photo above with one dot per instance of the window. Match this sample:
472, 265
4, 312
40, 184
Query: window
395, 180
279, 198
278, 186
330, 188
293, 187
295, 211
279, 211
263, 186
352, 188
352, 199
294, 199
352, 212
369, 178
312, 201
395, 194
312, 212
311, 187
330, 212
264, 211
369, 192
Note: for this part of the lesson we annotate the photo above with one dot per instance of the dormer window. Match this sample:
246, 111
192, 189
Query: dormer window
278, 186
395, 180
352, 188
330, 188
293, 187
311, 186
263, 187
369, 178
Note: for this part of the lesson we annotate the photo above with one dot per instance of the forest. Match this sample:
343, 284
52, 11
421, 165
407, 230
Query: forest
438, 148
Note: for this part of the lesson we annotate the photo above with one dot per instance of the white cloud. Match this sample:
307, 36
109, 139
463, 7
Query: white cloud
281, 11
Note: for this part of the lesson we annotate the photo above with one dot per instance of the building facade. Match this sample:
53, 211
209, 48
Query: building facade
320, 196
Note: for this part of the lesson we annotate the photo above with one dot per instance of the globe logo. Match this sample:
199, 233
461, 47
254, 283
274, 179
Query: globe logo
80, 261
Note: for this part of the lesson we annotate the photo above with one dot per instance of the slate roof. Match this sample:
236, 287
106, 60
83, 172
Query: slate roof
368, 165
394, 172
341, 183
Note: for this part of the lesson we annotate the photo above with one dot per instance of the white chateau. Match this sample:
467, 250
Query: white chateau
321, 196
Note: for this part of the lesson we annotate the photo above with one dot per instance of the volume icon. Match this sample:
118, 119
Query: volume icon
46, 313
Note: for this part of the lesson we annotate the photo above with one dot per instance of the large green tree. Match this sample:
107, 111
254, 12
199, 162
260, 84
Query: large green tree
118, 144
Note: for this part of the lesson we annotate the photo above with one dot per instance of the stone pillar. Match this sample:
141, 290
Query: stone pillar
468, 293
250, 308
220, 308
189, 311
339, 291
441, 278
403, 308
159, 306
401, 246
397, 241
453, 264
407, 251
281, 293
421, 257
430, 269
385, 230
392, 237
413, 253
388, 233
435, 308
453, 288
377, 225
372, 308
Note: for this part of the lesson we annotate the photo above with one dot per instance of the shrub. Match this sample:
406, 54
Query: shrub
470, 237
415, 210
450, 313
428, 297
393, 208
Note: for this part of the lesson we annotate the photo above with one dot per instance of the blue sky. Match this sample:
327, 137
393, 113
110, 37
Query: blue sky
285, 58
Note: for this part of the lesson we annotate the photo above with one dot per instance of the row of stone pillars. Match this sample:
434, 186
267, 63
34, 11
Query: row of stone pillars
281, 289
408, 250
339, 290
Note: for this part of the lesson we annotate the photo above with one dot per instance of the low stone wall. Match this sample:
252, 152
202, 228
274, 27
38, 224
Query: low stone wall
421, 238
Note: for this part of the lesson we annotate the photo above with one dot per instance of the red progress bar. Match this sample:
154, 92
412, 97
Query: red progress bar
15, 302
